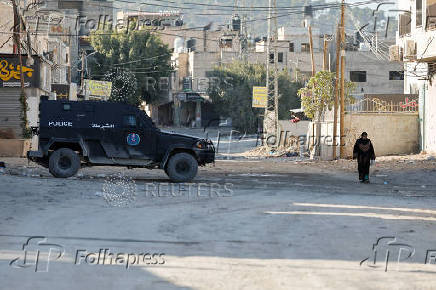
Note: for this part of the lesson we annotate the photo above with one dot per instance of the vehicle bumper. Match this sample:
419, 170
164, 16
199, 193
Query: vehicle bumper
38, 157
205, 157
34, 155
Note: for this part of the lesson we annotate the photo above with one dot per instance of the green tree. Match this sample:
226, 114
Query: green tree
288, 98
138, 51
319, 93
232, 92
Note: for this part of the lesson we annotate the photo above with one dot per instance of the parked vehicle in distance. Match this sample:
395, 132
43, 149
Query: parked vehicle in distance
76, 133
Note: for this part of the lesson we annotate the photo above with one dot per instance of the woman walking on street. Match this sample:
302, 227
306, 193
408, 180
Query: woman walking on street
364, 153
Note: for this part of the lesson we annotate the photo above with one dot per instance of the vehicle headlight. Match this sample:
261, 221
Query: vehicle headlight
201, 144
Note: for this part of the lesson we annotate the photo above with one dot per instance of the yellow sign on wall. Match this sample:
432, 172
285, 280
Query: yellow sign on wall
98, 88
260, 97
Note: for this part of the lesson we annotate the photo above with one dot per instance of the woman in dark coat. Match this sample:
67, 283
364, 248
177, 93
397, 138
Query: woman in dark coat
364, 153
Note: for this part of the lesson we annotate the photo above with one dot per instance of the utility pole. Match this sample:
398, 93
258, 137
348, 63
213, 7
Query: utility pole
276, 78
324, 63
335, 109
17, 42
268, 51
271, 110
311, 50
308, 14
296, 70
243, 34
17, 50
341, 137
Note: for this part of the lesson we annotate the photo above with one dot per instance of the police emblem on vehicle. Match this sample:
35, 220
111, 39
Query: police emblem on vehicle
133, 139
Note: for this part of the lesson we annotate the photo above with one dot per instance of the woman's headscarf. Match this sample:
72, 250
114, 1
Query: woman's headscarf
364, 141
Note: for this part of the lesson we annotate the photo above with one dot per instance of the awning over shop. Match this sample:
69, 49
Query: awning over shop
191, 96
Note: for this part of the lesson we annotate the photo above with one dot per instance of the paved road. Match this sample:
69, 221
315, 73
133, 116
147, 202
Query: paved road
235, 228
226, 143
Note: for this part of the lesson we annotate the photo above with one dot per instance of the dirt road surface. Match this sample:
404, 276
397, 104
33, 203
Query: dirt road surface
251, 224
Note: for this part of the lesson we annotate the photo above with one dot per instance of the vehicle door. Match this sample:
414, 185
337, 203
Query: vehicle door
108, 128
140, 137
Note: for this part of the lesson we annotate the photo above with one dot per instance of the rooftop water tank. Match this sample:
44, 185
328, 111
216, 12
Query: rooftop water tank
179, 45
307, 11
190, 44
236, 22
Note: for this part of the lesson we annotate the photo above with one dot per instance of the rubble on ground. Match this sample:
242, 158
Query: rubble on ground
290, 149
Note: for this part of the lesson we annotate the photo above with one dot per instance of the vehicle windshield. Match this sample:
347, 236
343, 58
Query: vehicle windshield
147, 121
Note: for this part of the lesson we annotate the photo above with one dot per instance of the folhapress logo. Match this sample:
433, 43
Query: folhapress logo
387, 249
37, 254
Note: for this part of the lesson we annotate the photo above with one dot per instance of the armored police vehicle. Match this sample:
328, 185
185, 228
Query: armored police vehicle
76, 133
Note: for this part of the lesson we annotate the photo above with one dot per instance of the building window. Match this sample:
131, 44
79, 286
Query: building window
226, 43
279, 57
418, 12
291, 47
396, 75
358, 76
71, 5
431, 14
305, 47
405, 24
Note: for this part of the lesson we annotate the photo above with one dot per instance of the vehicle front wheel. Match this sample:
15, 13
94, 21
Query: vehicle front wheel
182, 167
64, 163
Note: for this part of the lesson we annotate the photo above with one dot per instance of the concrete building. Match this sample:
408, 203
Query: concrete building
46, 56
198, 52
416, 47
195, 54
37, 81
53, 35
370, 74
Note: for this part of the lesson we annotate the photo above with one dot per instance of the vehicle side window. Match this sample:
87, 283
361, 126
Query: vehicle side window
66, 107
129, 121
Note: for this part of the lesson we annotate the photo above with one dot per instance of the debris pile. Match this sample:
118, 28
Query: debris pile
290, 148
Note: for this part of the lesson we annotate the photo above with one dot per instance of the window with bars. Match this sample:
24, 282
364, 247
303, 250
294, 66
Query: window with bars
418, 6
358, 76
404, 24
430, 14
396, 75
305, 47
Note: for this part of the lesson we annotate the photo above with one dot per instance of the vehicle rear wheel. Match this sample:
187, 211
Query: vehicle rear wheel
64, 163
182, 167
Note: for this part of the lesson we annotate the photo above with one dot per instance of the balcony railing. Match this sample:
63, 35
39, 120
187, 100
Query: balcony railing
376, 105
